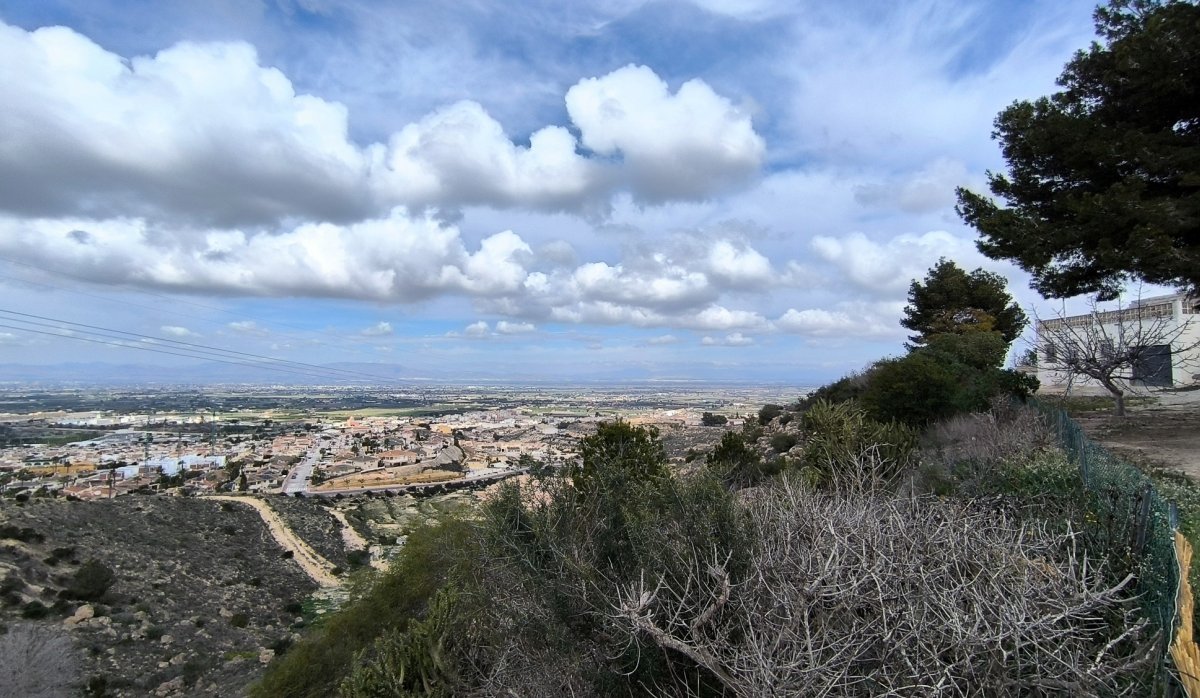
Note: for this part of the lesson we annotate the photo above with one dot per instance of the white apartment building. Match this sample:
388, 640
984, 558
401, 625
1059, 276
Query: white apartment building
1173, 358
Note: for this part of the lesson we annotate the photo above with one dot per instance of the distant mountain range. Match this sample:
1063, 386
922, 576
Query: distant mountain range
362, 373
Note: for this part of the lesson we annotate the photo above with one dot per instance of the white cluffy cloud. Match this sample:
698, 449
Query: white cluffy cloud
177, 331
204, 133
735, 339
379, 329
398, 258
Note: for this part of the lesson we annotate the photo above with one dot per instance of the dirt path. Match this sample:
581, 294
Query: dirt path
1165, 434
315, 566
353, 540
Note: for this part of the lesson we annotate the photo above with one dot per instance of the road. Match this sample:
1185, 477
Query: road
313, 564
298, 479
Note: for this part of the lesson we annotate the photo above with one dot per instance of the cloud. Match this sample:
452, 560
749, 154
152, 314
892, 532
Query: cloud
869, 320
739, 266
663, 340
397, 258
247, 327
735, 339
929, 189
477, 330
506, 327
889, 267
205, 134
9, 339
177, 331
687, 145
379, 329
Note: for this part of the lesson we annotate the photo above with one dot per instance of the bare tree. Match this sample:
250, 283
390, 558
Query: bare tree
37, 661
1119, 349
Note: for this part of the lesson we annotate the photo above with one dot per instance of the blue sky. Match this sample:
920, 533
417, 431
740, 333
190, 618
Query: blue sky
718, 189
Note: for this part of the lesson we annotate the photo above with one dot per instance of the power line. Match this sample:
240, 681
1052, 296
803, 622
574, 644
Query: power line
191, 346
155, 350
172, 298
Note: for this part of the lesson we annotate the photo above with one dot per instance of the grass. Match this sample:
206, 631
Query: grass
1077, 404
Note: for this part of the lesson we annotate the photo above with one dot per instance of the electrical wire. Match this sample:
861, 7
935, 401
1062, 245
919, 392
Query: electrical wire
155, 350
189, 346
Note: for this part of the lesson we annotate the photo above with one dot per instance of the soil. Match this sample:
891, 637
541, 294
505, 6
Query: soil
1163, 434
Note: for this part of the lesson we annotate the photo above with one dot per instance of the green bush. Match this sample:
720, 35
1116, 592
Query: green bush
783, 442
842, 390
739, 465
845, 446
768, 412
915, 390
90, 582
623, 452
315, 666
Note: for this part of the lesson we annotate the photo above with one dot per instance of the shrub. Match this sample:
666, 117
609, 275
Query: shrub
915, 390
709, 419
845, 447
34, 610
768, 412
239, 620
737, 464
23, 534
838, 595
783, 442
90, 582
624, 452
842, 390
315, 666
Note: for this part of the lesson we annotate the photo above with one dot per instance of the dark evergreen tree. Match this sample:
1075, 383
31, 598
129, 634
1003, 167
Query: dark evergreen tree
951, 301
1104, 176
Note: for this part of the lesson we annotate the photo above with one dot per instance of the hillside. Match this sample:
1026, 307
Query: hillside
201, 596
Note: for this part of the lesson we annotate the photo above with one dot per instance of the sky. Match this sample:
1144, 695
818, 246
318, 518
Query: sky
705, 190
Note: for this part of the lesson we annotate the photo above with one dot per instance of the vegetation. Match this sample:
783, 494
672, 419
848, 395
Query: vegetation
928, 535
621, 577
951, 301
90, 582
1102, 175
709, 419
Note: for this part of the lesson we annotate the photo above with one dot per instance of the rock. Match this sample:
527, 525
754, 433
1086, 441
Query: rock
166, 639
265, 655
168, 687
82, 613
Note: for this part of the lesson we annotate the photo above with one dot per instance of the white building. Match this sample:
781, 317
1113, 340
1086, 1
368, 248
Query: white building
1173, 359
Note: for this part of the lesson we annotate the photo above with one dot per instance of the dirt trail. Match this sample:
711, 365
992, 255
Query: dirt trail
353, 540
313, 564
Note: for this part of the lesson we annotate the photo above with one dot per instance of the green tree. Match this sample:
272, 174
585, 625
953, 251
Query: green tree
635, 453
1103, 180
951, 301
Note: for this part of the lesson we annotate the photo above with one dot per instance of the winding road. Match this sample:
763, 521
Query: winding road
313, 564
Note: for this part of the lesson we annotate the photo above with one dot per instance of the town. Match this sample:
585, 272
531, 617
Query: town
458, 438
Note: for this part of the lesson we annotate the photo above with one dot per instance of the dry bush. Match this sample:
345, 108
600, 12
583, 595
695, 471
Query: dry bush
37, 661
970, 448
869, 594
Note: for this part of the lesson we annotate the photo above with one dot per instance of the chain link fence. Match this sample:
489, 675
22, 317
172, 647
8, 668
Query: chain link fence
1126, 517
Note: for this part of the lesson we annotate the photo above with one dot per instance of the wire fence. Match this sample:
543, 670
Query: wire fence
1126, 517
